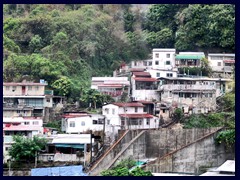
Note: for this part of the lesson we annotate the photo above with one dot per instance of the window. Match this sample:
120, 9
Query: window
113, 111
150, 63
210, 95
29, 88
83, 123
48, 99
168, 55
194, 95
170, 94
26, 123
219, 64
157, 55
136, 109
168, 63
107, 111
95, 122
148, 121
35, 123
108, 121
164, 110
180, 94
156, 62
7, 88
140, 122
145, 63
169, 75
14, 88
158, 75
72, 124
135, 63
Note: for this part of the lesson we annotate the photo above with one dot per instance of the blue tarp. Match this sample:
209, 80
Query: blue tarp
59, 171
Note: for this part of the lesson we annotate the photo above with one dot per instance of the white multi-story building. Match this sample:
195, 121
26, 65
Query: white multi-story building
222, 64
195, 94
143, 87
162, 63
27, 127
127, 116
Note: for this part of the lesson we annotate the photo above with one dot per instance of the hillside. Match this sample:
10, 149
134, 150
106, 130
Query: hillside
67, 44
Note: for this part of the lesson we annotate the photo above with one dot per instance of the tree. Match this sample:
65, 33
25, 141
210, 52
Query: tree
177, 115
26, 148
63, 85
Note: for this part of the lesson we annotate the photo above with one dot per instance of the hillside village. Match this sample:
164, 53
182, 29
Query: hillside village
146, 94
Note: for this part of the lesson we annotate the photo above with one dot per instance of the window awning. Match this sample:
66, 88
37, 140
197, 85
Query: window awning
186, 56
76, 146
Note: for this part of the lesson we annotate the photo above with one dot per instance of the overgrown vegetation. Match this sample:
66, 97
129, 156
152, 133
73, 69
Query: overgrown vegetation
123, 169
67, 44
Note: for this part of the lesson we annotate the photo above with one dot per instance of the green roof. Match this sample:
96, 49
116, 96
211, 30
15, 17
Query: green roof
186, 56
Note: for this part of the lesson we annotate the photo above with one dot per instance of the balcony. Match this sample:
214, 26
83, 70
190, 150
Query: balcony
228, 69
183, 87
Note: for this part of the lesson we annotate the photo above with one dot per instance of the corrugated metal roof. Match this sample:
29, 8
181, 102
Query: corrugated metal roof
145, 79
129, 104
136, 115
142, 74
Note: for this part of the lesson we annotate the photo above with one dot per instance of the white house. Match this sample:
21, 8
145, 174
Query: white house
163, 58
82, 122
222, 64
127, 116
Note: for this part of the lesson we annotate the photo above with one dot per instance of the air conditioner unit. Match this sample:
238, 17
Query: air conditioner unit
50, 158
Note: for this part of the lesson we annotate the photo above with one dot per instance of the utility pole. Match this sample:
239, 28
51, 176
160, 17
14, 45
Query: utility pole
35, 159
9, 167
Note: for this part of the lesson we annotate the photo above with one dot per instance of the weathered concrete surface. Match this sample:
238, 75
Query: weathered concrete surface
101, 165
158, 143
191, 158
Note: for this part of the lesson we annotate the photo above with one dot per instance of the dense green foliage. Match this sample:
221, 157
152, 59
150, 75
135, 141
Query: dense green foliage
26, 148
123, 169
67, 44
210, 120
226, 137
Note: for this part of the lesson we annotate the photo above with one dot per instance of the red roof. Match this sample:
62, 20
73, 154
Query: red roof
136, 69
142, 74
145, 79
129, 104
146, 102
136, 115
23, 84
75, 115
22, 128
229, 61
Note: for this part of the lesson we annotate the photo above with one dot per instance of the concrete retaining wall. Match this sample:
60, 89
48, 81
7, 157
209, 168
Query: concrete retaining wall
203, 153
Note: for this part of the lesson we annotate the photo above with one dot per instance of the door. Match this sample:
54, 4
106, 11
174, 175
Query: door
23, 90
